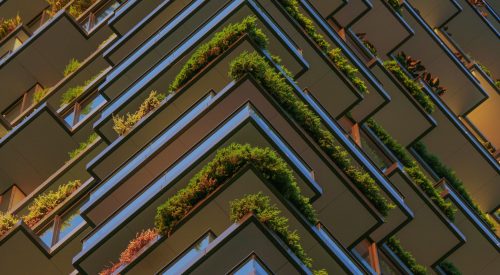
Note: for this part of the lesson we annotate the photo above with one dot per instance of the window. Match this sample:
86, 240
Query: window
81, 110
95, 18
61, 227
251, 265
12, 112
178, 264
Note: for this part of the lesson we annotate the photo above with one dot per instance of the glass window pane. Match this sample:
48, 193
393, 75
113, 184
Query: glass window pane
47, 234
70, 117
252, 266
103, 13
188, 256
90, 106
69, 222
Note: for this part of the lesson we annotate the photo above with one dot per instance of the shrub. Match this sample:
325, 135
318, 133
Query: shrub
417, 70
406, 257
123, 124
367, 43
445, 172
226, 163
38, 95
78, 7
292, 8
140, 241
395, 4
449, 268
413, 87
56, 5
216, 46
8, 25
74, 92
72, 66
282, 92
412, 169
83, 145
269, 215
47, 202
7, 221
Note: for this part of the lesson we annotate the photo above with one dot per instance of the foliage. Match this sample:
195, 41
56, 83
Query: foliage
497, 83
406, 257
282, 92
72, 93
78, 7
226, 163
367, 43
292, 8
123, 124
39, 94
417, 70
396, 5
140, 241
216, 46
445, 172
269, 215
56, 5
412, 86
45, 203
412, 169
72, 66
7, 221
449, 268
8, 25
83, 145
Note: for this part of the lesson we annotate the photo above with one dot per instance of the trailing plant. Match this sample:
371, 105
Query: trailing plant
83, 145
412, 169
396, 5
7, 221
8, 25
368, 44
260, 205
216, 46
292, 8
45, 203
412, 86
449, 268
282, 92
406, 257
135, 246
123, 124
444, 171
72, 93
226, 163
72, 66
417, 70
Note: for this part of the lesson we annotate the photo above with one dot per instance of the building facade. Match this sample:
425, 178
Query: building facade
249, 137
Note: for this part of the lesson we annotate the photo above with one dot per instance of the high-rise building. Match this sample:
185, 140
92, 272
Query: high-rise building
249, 137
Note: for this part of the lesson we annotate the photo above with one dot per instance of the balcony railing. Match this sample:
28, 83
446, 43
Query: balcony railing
96, 17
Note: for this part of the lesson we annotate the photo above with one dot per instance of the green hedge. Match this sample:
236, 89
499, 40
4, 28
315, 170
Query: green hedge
282, 92
445, 172
449, 268
413, 87
406, 257
412, 169
216, 46
226, 163
292, 8
269, 215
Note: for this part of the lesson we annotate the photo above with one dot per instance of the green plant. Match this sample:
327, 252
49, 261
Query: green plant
405, 256
123, 124
78, 7
396, 5
38, 95
7, 221
140, 241
449, 268
72, 66
417, 70
282, 92
412, 169
56, 5
45, 203
292, 8
445, 172
74, 92
368, 44
497, 83
412, 86
216, 46
269, 215
83, 145
226, 163
8, 25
